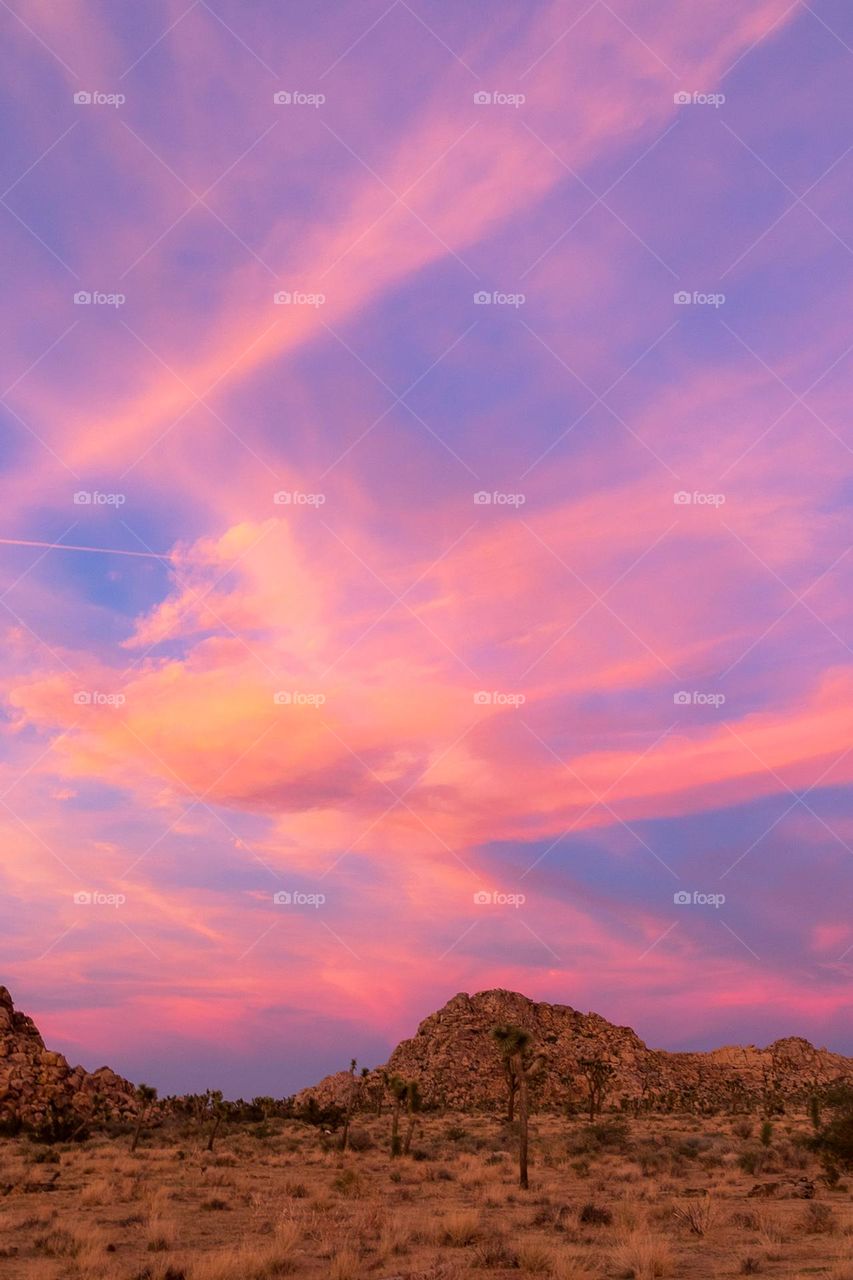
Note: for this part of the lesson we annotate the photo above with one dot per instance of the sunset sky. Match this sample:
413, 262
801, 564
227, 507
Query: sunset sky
294, 651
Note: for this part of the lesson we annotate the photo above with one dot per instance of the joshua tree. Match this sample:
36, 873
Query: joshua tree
509, 1076
413, 1106
380, 1093
398, 1088
146, 1095
218, 1110
598, 1074
515, 1048
350, 1102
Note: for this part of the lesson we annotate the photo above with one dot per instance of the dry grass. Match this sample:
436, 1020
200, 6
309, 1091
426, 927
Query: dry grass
665, 1197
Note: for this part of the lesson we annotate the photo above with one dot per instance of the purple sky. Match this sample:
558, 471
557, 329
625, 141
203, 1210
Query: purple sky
451, 421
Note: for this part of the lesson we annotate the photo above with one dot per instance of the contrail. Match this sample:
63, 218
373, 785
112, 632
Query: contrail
66, 546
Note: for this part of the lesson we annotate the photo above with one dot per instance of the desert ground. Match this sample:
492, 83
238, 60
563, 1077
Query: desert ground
646, 1197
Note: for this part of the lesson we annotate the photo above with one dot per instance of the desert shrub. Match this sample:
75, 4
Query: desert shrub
359, 1140
594, 1215
742, 1129
460, 1228
643, 1256
697, 1215
47, 1157
348, 1183
755, 1160
345, 1265
833, 1141
746, 1221
766, 1133
750, 1266
494, 1254
818, 1217
533, 1259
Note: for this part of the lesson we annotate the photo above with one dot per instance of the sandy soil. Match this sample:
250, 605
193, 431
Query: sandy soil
656, 1196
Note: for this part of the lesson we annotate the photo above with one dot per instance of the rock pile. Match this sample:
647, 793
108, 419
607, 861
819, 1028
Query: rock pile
454, 1058
38, 1088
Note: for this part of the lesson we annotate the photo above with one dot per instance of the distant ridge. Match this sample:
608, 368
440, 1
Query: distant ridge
454, 1058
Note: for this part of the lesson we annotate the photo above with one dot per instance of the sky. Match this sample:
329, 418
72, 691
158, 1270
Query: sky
425, 562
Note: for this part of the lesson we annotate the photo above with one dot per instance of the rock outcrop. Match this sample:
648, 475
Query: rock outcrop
38, 1088
454, 1058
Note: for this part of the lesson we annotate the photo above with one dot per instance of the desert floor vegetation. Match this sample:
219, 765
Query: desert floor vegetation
617, 1199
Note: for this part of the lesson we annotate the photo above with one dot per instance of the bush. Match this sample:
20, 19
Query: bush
833, 1141
818, 1218
594, 1215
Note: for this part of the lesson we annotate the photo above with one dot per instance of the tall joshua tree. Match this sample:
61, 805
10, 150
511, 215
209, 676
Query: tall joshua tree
218, 1109
398, 1089
350, 1103
146, 1095
413, 1106
515, 1046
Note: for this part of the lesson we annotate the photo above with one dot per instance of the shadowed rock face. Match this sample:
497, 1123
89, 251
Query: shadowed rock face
36, 1083
454, 1058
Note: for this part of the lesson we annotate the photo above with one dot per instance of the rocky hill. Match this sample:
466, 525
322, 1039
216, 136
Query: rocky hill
38, 1089
454, 1058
